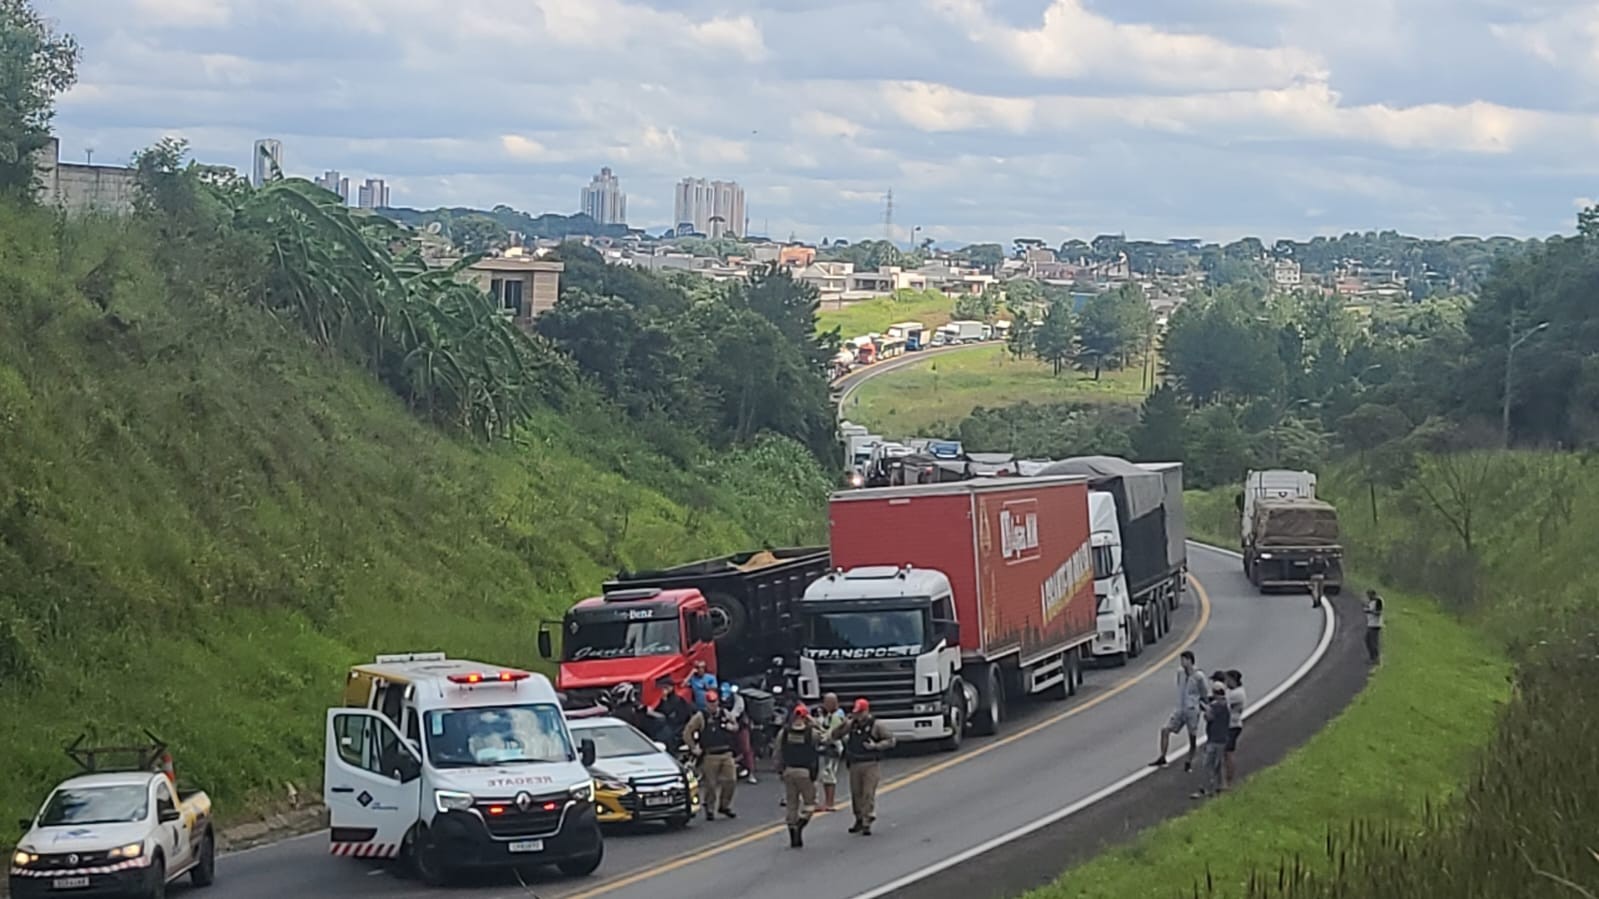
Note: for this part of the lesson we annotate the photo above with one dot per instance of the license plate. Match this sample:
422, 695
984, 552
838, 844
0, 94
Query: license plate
657, 801
526, 846
69, 883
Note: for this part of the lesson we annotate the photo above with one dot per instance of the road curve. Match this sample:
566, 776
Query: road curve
933, 808
852, 382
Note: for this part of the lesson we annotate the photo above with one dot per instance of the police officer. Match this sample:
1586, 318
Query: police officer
798, 757
710, 736
865, 740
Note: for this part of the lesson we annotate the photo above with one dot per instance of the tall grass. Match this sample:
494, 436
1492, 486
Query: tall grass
204, 521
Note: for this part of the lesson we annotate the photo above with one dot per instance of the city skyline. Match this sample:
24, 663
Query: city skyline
1073, 117
603, 199
712, 208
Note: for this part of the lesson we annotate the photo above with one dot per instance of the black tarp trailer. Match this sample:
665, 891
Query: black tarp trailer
1149, 503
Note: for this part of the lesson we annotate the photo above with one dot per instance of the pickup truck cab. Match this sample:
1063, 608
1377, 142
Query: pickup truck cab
123, 833
452, 764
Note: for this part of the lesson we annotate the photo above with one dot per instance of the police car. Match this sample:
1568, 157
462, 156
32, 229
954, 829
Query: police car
635, 778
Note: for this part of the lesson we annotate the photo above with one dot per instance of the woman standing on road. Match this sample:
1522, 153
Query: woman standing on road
1235, 713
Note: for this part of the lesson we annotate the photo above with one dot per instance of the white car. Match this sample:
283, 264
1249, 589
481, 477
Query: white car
115, 834
635, 778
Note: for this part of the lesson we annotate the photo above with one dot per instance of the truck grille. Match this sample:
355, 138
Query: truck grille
889, 686
537, 821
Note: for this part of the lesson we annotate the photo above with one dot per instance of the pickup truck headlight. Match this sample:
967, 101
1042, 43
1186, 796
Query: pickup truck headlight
583, 792
452, 801
23, 859
132, 850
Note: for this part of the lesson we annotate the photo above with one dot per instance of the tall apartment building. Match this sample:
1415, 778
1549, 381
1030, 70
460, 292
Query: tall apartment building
268, 158
332, 181
374, 194
713, 208
603, 200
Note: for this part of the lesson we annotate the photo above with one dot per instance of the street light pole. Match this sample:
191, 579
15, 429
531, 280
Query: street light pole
1511, 342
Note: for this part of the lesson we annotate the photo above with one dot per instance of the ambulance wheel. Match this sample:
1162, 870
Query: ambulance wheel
583, 865
990, 703
427, 862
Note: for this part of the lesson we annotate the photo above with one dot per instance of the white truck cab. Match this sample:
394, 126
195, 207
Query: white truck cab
1120, 633
457, 764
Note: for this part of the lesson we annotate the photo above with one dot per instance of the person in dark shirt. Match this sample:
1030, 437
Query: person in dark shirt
1218, 721
672, 712
798, 758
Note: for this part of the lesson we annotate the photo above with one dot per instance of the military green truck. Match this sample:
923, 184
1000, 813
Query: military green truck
1284, 538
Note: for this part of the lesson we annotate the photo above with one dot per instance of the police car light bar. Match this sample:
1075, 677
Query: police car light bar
478, 678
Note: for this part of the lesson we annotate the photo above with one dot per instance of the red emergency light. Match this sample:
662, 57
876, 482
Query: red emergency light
475, 677
496, 810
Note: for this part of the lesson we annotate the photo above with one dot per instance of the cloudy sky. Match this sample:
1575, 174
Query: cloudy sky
989, 119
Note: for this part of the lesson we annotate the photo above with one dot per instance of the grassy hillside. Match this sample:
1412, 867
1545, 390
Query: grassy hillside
203, 521
948, 387
929, 307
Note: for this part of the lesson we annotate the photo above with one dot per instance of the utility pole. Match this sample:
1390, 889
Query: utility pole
89, 156
888, 217
1511, 342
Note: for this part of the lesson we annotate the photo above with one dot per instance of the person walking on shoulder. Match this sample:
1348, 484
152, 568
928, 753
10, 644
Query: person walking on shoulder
865, 741
830, 720
1190, 696
711, 736
1218, 721
1235, 713
1373, 627
798, 759
1318, 581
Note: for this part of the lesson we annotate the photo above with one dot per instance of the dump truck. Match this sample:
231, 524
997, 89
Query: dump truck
1285, 535
949, 601
732, 612
1272, 483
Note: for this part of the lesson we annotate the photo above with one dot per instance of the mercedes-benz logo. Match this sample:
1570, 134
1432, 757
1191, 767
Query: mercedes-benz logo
524, 801
72, 858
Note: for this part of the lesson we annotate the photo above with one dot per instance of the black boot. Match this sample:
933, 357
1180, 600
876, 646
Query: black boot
794, 837
857, 827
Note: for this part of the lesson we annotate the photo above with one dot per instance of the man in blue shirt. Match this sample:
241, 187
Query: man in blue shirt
701, 682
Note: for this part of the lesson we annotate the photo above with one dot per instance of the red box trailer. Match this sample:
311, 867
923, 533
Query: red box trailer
1017, 557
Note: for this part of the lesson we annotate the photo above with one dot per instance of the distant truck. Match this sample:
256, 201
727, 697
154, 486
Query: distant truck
1140, 548
1285, 536
122, 827
964, 331
913, 333
1274, 483
733, 612
948, 601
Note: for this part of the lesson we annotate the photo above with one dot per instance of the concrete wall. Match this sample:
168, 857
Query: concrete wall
80, 188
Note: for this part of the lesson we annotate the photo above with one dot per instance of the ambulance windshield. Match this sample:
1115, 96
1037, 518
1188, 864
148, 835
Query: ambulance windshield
497, 735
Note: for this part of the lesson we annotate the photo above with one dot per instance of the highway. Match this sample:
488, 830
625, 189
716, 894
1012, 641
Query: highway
1049, 759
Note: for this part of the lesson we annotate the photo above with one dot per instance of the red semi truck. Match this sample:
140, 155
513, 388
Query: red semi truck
949, 600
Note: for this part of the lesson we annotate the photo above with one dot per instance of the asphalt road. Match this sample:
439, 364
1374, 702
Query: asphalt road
852, 381
932, 807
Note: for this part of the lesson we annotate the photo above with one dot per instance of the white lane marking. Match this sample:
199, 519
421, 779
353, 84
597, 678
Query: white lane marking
1118, 786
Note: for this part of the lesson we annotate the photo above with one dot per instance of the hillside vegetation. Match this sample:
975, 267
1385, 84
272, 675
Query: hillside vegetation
205, 518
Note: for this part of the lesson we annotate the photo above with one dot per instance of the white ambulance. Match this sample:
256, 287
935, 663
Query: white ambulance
451, 764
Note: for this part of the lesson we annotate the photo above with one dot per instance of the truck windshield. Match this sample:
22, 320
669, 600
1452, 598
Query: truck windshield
894, 629
497, 735
622, 639
96, 805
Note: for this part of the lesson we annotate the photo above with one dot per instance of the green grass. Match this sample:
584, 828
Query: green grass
931, 308
204, 522
946, 388
1408, 739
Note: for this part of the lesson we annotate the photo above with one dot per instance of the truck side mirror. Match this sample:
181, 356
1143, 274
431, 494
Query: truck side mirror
546, 643
168, 815
586, 752
950, 631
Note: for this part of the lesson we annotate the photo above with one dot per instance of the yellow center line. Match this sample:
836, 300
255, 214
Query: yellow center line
762, 833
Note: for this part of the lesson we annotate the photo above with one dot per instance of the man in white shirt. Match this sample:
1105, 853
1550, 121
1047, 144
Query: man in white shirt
1373, 627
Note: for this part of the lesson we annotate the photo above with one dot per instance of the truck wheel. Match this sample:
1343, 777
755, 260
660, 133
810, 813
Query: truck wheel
1074, 672
729, 619
204, 872
1165, 620
1135, 638
157, 887
1118, 660
990, 703
583, 865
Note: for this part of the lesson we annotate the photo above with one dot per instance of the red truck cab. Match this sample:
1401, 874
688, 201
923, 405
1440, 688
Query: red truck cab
632, 636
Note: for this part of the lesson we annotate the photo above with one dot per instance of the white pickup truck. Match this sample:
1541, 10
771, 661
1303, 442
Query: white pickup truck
115, 833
